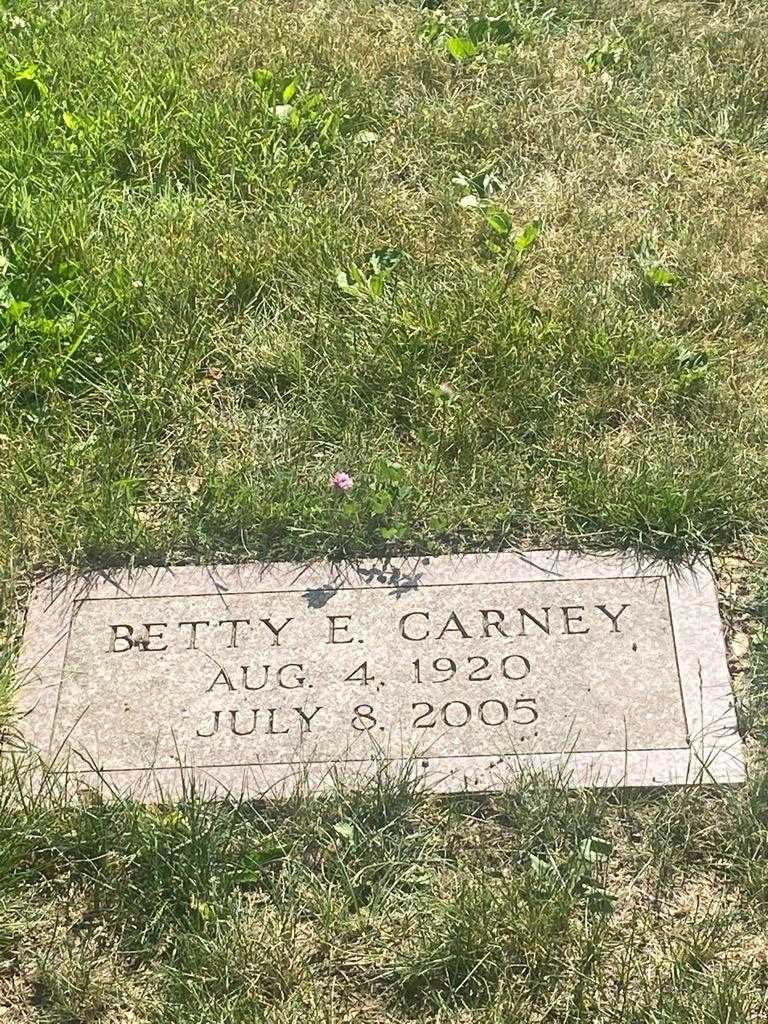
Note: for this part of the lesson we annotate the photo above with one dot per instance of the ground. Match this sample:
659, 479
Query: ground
504, 265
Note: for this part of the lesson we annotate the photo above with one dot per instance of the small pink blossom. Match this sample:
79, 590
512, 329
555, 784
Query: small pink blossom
342, 482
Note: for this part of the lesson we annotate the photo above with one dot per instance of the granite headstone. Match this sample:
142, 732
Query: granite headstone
464, 671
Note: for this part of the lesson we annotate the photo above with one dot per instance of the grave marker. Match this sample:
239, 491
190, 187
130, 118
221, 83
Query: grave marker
257, 678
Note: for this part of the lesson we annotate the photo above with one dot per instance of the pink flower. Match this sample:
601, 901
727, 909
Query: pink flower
342, 482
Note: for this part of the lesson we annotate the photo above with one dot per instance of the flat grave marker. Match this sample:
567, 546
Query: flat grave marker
253, 679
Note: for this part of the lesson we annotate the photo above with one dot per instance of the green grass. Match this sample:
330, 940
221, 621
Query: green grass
184, 189
184, 372
387, 906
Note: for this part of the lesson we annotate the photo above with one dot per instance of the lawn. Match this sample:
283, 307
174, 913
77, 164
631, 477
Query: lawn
505, 265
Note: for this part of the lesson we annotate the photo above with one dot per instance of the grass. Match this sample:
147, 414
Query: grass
505, 265
388, 906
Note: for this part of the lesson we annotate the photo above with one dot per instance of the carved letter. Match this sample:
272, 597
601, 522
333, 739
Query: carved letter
149, 626
569, 619
307, 718
192, 646
233, 722
261, 686
234, 623
333, 628
614, 618
276, 632
407, 636
222, 679
271, 730
116, 637
488, 625
298, 680
205, 735
543, 626
456, 628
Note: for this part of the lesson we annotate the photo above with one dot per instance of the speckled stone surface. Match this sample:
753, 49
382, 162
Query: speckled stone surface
258, 678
